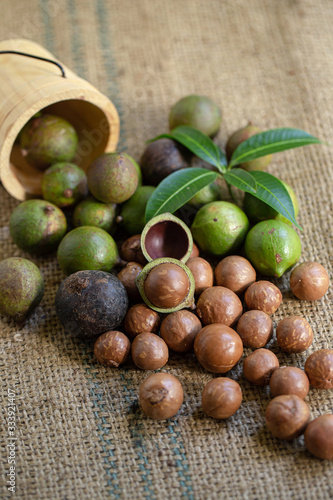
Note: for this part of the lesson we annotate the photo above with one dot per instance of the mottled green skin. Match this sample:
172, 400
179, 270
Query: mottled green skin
64, 184
22, 287
48, 139
241, 135
205, 195
133, 210
272, 247
220, 228
198, 112
112, 178
87, 248
37, 226
138, 169
257, 210
92, 212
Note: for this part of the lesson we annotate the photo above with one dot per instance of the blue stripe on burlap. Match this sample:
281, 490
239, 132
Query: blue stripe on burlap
107, 441
110, 68
76, 40
182, 464
47, 21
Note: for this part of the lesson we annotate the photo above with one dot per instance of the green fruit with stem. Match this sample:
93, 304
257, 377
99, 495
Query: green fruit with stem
92, 212
257, 210
237, 138
132, 215
220, 228
37, 226
112, 178
64, 184
48, 139
197, 111
22, 287
273, 247
87, 248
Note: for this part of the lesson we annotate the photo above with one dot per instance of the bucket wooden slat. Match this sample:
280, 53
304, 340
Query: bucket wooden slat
28, 86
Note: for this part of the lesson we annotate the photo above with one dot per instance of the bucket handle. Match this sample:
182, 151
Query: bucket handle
35, 57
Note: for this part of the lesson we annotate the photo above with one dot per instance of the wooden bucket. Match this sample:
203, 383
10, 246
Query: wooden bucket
29, 85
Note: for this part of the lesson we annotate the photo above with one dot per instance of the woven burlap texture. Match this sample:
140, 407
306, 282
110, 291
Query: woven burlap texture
80, 432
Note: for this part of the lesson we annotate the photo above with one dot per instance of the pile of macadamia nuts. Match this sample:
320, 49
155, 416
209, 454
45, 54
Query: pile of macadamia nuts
218, 329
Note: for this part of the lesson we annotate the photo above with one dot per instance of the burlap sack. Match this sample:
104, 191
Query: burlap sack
80, 432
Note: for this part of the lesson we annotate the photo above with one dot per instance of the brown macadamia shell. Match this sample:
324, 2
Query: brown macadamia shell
236, 273
289, 380
287, 417
149, 351
264, 296
219, 305
139, 319
221, 397
318, 437
218, 348
179, 330
161, 396
309, 281
294, 334
255, 328
202, 273
130, 250
166, 285
195, 251
259, 366
319, 369
127, 276
112, 348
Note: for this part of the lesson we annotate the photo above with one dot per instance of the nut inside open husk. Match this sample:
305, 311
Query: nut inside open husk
188, 299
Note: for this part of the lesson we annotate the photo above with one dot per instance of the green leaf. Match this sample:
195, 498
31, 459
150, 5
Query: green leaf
177, 189
271, 141
241, 179
271, 191
199, 143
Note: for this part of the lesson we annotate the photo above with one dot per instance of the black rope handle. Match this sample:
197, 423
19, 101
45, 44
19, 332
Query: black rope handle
35, 57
